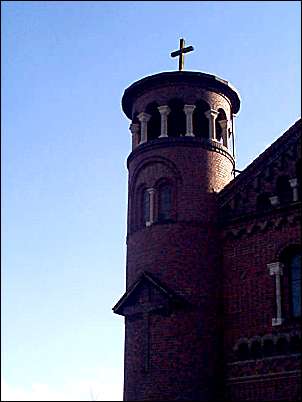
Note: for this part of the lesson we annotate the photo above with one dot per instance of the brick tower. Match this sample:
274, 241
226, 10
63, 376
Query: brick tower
182, 155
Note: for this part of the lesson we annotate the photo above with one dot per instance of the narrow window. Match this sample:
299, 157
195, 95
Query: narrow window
154, 122
176, 118
282, 346
268, 348
295, 344
200, 121
284, 190
263, 203
256, 350
295, 282
243, 351
165, 203
146, 207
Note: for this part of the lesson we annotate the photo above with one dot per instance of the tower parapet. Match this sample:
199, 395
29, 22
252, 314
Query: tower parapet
182, 103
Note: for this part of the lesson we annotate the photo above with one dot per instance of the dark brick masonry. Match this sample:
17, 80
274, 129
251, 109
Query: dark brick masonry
198, 286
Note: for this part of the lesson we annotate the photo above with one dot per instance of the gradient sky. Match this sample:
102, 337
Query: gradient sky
65, 66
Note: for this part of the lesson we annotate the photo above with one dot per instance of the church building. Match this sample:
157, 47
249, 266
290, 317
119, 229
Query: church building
212, 304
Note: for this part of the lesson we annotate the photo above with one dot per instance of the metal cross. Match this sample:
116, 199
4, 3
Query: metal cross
180, 53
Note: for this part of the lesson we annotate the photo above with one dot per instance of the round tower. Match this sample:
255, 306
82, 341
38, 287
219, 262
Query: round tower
182, 156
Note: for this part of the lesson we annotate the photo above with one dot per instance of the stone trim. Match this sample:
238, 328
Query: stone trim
263, 377
151, 192
181, 141
164, 112
189, 109
276, 269
144, 118
294, 185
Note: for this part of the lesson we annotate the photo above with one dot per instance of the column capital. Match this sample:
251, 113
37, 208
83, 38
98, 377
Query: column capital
211, 113
275, 268
164, 109
189, 108
293, 182
274, 200
144, 117
151, 190
277, 321
134, 128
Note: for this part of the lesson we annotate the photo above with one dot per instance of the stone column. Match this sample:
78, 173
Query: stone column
224, 129
276, 268
134, 128
164, 111
189, 109
151, 192
211, 115
294, 185
143, 118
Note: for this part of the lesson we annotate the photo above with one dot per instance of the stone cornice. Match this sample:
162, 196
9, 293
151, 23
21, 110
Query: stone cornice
180, 141
195, 78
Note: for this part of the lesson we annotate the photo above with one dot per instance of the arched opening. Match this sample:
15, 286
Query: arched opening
291, 258
243, 351
282, 346
263, 202
226, 211
295, 283
256, 352
165, 202
295, 344
284, 190
153, 130
221, 134
200, 121
176, 118
144, 207
237, 204
268, 347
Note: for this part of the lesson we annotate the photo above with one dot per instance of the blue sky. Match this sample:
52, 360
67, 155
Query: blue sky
65, 66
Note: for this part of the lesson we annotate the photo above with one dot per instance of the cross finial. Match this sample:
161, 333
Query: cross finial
180, 53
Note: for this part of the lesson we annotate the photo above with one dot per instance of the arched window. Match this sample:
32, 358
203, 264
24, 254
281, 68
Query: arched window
295, 283
200, 121
154, 122
165, 202
291, 258
256, 352
282, 346
176, 118
145, 207
284, 190
237, 204
268, 347
263, 202
295, 344
243, 351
